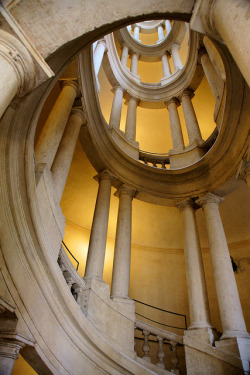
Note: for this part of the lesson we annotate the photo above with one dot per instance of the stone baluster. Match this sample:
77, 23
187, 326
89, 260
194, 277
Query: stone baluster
137, 33
197, 290
176, 131
146, 347
124, 55
130, 128
9, 350
65, 152
17, 70
53, 129
100, 49
232, 320
176, 57
116, 111
160, 33
165, 66
174, 358
193, 129
134, 63
122, 254
229, 19
168, 26
160, 352
214, 81
98, 235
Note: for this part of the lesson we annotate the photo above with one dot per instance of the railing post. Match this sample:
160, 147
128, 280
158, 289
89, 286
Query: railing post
146, 347
160, 353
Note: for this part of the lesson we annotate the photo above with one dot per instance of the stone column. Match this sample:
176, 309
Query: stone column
160, 33
17, 70
122, 255
232, 320
168, 26
124, 55
98, 236
165, 66
230, 19
176, 57
60, 167
116, 110
213, 79
176, 132
53, 129
197, 290
215, 58
134, 63
192, 125
101, 48
130, 129
137, 33
9, 350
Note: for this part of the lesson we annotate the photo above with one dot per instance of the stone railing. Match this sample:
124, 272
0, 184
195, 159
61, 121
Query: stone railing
72, 278
154, 160
162, 337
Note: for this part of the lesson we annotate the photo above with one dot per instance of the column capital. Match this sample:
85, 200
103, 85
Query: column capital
131, 97
172, 100
175, 46
117, 87
12, 50
104, 175
125, 190
72, 83
188, 203
103, 42
79, 112
209, 198
134, 26
186, 92
202, 52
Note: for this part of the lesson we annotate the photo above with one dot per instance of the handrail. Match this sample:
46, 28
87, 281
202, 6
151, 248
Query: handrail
167, 311
71, 255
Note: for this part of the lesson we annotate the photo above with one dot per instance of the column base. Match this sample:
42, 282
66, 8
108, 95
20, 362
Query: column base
205, 334
235, 334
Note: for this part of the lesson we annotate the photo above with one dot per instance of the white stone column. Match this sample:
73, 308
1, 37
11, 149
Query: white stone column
137, 33
116, 110
160, 33
130, 129
232, 320
213, 79
230, 19
168, 26
134, 63
193, 129
197, 290
17, 70
9, 350
124, 55
215, 57
60, 167
98, 236
122, 255
98, 55
176, 57
54, 126
165, 66
175, 125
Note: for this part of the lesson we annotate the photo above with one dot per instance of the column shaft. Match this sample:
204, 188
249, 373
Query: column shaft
98, 236
98, 55
137, 33
116, 111
232, 320
160, 33
165, 66
168, 26
176, 132
213, 79
192, 125
65, 152
176, 57
124, 55
122, 255
197, 290
230, 19
134, 63
9, 350
53, 129
130, 129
